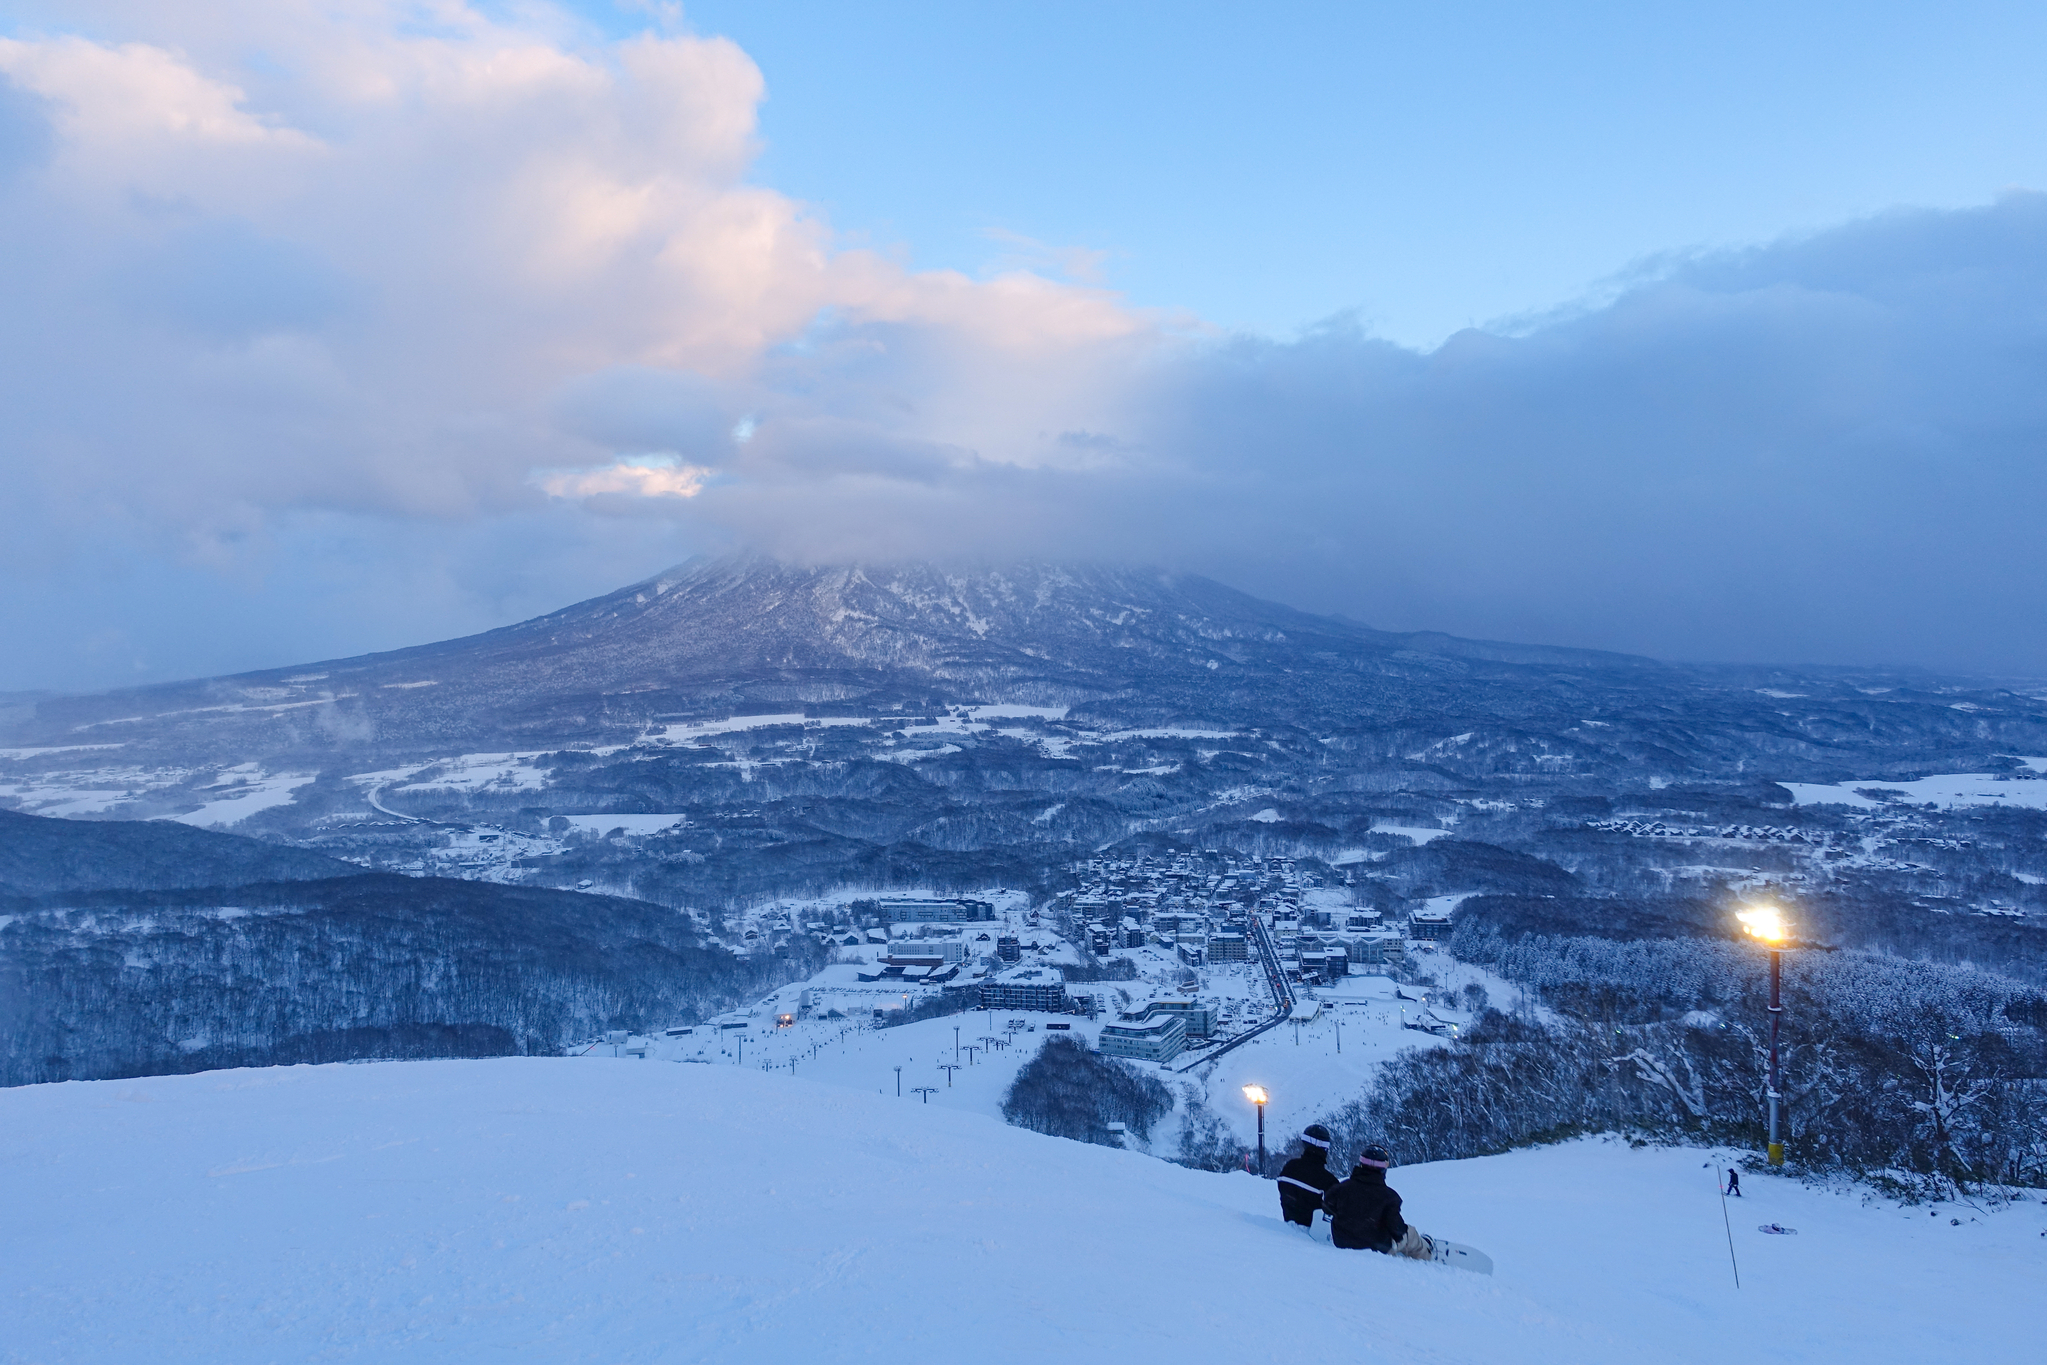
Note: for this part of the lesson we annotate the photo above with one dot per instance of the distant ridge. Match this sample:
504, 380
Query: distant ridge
745, 631
39, 856
1113, 646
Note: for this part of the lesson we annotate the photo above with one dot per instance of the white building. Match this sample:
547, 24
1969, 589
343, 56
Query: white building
1158, 1039
945, 949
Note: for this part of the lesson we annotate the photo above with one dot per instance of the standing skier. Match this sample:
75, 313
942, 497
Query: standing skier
1364, 1211
1304, 1180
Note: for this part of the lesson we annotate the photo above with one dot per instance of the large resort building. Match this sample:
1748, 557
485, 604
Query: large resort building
921, 910
1160, 1038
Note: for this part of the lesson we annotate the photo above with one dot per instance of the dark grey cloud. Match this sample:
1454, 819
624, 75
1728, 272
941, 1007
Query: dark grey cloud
340, 372
1827, 449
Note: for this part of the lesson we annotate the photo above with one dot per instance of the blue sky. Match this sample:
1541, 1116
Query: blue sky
1430, 167
1701, 332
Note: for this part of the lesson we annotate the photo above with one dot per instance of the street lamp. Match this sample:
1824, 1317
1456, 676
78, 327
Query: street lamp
1765, 923
899, 1082
1256, 1094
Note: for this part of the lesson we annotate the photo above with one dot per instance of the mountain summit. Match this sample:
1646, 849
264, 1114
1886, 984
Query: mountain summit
747, 632
1073, 628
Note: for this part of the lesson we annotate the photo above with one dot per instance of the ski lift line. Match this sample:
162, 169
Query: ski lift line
1725, 1221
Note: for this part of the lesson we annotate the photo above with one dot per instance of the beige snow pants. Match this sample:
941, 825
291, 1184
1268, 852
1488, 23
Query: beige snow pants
1415, 1245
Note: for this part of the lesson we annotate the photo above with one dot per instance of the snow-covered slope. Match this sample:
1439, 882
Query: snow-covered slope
578, 1210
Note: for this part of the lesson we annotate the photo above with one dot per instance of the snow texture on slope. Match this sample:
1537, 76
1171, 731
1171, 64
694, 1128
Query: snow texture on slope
559, 1210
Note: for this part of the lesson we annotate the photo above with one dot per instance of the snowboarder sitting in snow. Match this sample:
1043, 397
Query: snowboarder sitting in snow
1304, 1180
1364, 1211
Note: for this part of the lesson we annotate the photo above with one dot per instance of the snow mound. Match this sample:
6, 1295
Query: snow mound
546, 1209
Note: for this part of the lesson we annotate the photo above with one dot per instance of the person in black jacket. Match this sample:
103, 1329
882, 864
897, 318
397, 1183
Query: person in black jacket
1304, 1180
1364, 1211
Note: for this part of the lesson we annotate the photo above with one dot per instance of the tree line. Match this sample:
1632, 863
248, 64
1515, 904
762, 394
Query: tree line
116, 983
1928, 1076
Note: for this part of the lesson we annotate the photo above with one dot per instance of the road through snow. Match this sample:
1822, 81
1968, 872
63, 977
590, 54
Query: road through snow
559, 1210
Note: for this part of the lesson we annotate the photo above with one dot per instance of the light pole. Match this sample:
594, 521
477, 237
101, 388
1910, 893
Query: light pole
899, 1082
1256, 1094
1766, 924
955, 1042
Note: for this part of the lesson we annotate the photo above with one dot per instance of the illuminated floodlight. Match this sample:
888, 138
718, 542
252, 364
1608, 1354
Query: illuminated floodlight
1256, 1094
1765, 922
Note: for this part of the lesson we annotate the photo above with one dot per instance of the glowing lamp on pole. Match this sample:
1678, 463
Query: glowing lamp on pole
1256, 1094
1765, 924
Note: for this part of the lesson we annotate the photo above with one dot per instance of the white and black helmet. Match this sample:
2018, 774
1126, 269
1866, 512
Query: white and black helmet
1315, 1135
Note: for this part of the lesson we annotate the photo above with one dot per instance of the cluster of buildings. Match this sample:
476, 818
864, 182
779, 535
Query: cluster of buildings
1202, 910
1193, 905
1201, 907
970, 959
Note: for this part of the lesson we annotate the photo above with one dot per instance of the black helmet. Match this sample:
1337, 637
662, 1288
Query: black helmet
1315, 1135
1375, 1155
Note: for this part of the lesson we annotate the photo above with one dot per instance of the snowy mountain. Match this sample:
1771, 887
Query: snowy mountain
557, 1209
744, 728
712, 638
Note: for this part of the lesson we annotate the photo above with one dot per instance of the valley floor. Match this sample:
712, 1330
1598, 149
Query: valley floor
625, 1211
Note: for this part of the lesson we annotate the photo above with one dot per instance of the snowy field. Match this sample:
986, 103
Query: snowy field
1945, 790
554, 1210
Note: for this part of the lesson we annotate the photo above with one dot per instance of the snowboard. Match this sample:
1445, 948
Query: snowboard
1442, 1252
1459, 1255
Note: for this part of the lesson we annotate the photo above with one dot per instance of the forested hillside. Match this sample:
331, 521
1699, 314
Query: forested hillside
1922, 1074
124, 982
43, 855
